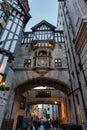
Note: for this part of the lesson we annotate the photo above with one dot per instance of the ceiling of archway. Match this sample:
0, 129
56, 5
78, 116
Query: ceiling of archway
42, 81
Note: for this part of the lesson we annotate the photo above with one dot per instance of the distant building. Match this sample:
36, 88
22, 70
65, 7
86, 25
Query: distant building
52, 111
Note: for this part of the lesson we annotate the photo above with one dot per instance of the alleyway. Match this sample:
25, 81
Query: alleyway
43, 68
42, 128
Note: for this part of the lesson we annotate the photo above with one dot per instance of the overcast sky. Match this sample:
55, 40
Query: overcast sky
42, 10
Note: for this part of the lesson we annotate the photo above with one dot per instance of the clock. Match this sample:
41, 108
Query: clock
42, 61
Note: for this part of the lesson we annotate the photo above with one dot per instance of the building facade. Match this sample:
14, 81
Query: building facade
43, 62
13, 18
45, 56
72, 19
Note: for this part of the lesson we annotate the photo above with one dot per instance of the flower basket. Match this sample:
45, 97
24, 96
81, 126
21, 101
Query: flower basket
3, 87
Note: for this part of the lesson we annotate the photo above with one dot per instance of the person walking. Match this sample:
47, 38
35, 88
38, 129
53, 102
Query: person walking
36, 125
31, 125
25, 124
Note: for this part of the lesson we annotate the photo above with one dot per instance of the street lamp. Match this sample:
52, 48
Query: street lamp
55, 102
1, 77
3, 86
56, 109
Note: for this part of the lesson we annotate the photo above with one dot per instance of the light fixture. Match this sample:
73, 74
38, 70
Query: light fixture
56, 60
55, 102
29, 60
1, 77
59, 60
3, 86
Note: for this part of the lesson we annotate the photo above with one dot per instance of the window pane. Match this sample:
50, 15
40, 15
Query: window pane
3, 65
1, 56
15, 37
10, 36
16, 20
9, 25
20, 23
13, 27
18, 30
7, 45
4, 35
13, 46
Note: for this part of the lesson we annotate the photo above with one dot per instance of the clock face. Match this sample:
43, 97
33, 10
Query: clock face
42, 61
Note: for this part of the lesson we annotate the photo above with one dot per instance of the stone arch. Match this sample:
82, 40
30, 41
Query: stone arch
44, 102
42, 81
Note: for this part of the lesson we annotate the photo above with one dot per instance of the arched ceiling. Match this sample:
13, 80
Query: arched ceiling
42, 81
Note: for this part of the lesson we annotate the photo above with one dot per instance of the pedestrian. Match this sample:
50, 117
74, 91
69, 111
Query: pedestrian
36, 125
25, 124
31, 125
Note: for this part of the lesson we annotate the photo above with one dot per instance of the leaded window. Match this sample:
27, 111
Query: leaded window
27, 63
58, 62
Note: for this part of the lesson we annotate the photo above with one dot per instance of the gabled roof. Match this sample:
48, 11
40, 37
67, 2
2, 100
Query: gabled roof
43, 22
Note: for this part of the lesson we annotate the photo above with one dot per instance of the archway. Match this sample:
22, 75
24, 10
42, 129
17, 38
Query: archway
42, 81
58, 94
